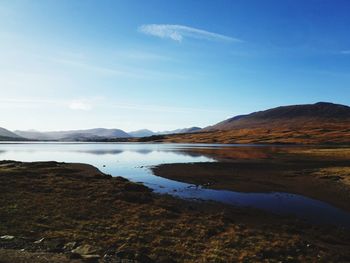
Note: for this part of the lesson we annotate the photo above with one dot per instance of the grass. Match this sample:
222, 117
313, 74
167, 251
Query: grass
65, 203
308, 134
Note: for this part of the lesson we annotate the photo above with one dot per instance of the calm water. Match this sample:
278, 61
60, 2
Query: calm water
132, 160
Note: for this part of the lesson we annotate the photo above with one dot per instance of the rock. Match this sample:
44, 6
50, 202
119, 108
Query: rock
39, 241
85, 250
70, 245
7, 237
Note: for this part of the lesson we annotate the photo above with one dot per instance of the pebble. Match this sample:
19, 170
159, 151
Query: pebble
7, 237
39, 241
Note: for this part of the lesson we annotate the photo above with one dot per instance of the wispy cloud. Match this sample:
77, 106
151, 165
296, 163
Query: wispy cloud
345, 52
119, 71
80, 105
47, 103
86, 66
179, 32
86, 104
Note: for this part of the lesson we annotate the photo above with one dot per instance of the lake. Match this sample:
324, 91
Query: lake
133, 160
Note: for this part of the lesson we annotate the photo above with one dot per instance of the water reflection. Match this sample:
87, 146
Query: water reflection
101, 152
132, 160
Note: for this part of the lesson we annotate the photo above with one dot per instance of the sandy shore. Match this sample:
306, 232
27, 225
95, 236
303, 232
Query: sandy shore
58, 212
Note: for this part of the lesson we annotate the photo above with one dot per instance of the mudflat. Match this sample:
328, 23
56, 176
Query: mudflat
319, 173
59, 212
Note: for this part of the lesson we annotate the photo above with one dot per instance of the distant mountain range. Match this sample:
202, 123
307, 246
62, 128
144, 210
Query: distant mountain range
146, 133
317, 123
73, 135
141, 133
84, 135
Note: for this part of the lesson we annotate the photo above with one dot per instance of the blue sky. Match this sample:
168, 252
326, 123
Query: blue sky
163, 65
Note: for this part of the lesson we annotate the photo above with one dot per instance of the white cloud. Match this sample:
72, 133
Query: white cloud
80, 105
179, 32
345, 52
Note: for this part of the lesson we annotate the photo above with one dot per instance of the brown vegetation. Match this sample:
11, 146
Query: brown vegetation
56, 212
320, 123
318, 134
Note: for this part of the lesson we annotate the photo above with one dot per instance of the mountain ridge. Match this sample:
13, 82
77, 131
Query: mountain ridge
8, 134
73, 134
291, 115
321, 122
318, 123
93, 134
147, 133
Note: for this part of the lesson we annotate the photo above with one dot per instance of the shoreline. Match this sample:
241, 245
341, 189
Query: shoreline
144, 140
248, 177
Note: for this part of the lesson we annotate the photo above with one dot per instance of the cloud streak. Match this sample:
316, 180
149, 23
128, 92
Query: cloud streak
119, 71
180, 32
80, 105
345, 52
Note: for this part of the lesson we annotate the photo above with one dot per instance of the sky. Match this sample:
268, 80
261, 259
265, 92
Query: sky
163, 65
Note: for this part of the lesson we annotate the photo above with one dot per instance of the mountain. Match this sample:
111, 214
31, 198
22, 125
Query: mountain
93, 134
73, 135
147, 133
319, 123
185, 130
8, 135
35, 135
287, 116
141, 133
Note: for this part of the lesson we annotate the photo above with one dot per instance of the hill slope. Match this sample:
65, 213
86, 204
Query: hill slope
288, 116
320, 123
8, 135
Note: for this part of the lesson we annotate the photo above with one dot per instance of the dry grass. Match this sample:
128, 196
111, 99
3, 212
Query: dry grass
64, 203
311, 134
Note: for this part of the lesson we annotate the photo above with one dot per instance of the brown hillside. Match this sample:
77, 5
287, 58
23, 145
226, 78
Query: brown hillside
320, 123
295, 116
